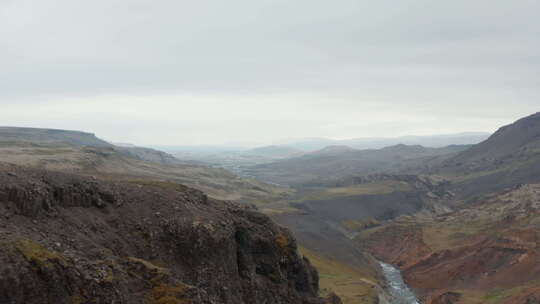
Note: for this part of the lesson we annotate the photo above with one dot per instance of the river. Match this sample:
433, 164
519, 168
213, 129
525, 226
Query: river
399, 291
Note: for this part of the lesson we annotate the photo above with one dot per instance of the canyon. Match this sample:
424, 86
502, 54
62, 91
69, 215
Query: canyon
456, 224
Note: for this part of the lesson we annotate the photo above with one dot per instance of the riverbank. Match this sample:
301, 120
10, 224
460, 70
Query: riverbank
397, 288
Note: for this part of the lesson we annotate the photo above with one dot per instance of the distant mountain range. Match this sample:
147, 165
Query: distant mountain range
318, 143
435, 141
242, 160
274, 152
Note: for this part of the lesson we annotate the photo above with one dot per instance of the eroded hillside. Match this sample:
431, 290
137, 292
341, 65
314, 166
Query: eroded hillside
488, 252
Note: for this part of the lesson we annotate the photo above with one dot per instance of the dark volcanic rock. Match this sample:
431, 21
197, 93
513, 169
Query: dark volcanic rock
333, 299
68, 239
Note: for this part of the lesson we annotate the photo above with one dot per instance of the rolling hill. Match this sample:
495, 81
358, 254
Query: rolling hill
511, 156
333, 163
53, 137
509, 143
80, 152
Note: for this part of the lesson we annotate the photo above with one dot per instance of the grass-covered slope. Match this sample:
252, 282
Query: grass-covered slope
510, 157
57, 150
353, 285
54, 137
325, 168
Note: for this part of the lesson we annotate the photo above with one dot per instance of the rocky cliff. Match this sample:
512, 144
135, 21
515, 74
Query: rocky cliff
69, 239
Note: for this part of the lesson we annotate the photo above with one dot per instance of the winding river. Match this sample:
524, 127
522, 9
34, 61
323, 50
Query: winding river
399, 291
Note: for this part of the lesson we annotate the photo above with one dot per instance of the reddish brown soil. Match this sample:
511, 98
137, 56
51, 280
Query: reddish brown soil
499, 262
400, 245
528, 296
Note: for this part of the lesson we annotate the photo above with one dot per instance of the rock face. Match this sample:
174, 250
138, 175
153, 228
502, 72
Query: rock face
69, 239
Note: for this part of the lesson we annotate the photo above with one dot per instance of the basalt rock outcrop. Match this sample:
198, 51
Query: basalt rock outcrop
71, 239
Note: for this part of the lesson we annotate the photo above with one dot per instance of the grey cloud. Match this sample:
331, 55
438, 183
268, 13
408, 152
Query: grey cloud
433, 56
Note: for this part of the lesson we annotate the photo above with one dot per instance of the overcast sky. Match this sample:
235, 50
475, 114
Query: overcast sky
181, 72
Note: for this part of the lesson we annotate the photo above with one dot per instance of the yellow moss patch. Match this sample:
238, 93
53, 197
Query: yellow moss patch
77, 299
382, 187
281, 210
158, 274
110, 276
358, 225
283, 243
149, 265
167, 294
37, 254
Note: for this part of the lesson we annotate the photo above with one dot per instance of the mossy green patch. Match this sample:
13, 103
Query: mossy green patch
38, 255
351, 284
361, 224
282, 241
500, 295
153, 273
382, 187
77, 299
